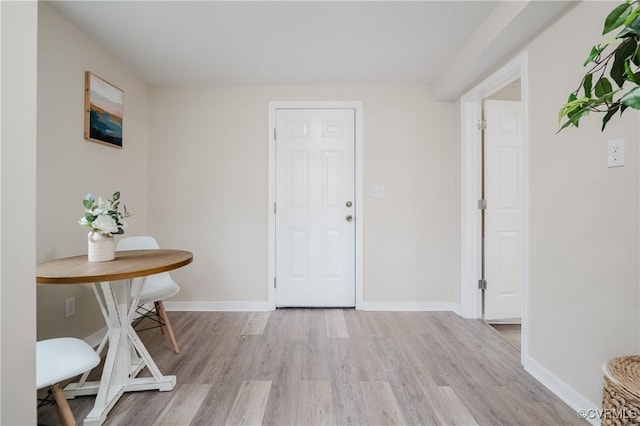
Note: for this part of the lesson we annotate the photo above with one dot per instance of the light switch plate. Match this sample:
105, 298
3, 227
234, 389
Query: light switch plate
377, 191
615, 153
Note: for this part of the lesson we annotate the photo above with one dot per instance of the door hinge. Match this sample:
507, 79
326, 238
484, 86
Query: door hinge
482, 284
482, 204
275, 133
275, 283
274, 208
482, 124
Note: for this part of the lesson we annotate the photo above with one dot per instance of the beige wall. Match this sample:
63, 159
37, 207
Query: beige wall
18, 26
584, 288
208, 188
584, 281
68, 166
510, 92
207, 191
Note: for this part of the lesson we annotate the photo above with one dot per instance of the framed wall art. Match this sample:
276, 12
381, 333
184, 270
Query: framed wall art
103, 111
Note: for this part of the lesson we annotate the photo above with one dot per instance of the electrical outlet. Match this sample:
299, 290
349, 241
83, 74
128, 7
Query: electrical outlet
615, 153
70, 307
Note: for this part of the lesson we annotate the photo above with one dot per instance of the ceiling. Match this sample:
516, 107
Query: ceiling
295, 42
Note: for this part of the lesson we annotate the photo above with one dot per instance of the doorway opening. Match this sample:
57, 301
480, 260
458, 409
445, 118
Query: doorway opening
315, 209
495, 199
502, 209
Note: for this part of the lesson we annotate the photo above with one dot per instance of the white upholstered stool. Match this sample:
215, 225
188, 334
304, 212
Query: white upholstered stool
58, 360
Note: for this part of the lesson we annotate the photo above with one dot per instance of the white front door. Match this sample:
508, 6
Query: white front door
315, 219
504, 174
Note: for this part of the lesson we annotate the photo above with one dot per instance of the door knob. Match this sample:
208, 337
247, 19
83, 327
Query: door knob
349, 204
349, 218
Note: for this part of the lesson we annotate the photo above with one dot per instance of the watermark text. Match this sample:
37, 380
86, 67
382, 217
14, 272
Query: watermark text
609, 413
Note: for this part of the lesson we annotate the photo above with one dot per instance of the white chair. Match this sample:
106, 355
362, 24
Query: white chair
156, 287
58, 360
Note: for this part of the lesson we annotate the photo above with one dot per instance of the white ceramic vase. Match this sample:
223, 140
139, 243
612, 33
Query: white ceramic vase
101, 247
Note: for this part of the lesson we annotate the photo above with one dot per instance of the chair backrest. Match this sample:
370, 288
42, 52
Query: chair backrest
157, 287
61, 359
137, 243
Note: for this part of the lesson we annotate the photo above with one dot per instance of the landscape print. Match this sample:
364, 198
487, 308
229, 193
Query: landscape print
103, 111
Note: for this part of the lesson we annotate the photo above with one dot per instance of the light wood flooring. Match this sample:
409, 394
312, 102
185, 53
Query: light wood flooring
342, 367
512, 333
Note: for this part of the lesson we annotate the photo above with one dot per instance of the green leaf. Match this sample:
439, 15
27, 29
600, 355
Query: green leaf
627, 49
587, 85
564, 126
636, 56
631, 29
610, 113
632, 16
578, 111
90, 218
88, 200
630, 76
623, 53
573, 104
603, 87
116, 195
632, 98
622, 109
595, 51
574, 112
607, 43
617, 17
575, 120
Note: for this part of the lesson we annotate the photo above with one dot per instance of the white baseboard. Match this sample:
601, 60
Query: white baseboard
95, 339
264, 306
411, 306
562, 390
217, 306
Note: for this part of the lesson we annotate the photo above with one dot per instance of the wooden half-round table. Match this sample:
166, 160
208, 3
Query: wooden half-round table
118, 295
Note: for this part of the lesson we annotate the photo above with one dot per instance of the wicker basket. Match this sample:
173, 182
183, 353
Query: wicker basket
621, 393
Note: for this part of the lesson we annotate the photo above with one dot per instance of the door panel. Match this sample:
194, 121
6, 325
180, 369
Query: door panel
297, 180
315, 177
504, 257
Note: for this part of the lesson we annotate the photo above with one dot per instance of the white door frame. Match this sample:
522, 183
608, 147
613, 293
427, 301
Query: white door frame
471, 109
359, 189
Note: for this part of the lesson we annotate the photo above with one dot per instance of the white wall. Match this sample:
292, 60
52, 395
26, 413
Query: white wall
68, 166
584, 280
208, 188
17, 212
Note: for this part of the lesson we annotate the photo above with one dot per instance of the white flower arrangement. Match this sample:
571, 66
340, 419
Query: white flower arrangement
103, 215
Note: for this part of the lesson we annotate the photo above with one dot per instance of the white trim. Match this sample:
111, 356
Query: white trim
411, 306
217, 306
470, 305
264, 306
562, 390
470, 107
524, 95
357, 106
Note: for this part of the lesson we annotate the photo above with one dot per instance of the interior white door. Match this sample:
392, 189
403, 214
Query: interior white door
315, 190
504, 225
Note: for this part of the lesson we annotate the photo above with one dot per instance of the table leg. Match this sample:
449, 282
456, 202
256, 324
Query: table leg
126, 355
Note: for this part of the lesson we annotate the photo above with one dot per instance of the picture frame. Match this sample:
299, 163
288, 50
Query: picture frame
103, 111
